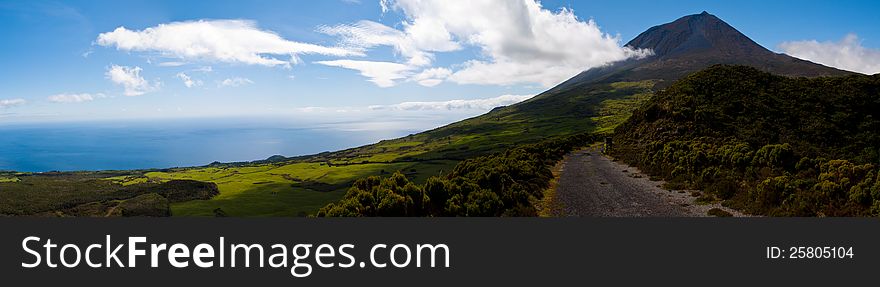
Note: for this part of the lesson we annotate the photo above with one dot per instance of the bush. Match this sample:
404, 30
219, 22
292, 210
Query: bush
768, 144
770, 192
150, 204
502, 184
777, 156
718, 212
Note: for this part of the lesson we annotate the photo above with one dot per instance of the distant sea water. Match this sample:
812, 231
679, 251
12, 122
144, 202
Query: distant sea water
163, 144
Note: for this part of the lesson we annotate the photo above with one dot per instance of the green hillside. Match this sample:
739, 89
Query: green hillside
763, 143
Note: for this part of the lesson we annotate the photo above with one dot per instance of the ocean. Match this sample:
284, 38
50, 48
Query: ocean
170, 143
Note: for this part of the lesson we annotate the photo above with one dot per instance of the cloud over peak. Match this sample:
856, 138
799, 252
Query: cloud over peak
847, 54
519, 41
229, 41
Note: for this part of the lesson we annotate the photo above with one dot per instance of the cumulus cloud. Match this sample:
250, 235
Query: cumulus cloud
520, 41
415, 45
75, 98
235, 82
432, 77
7, 103
847, 54
383, 74
229, 41
188, 81
130, 78
477, 104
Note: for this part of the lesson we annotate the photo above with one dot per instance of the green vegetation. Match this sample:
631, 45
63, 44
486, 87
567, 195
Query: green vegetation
614, 112
718, 212
150, 204
284, 189
89, 194
508, 183
764, 144
551, 114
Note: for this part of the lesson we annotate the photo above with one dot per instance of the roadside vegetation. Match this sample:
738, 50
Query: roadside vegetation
762, 143
507, 183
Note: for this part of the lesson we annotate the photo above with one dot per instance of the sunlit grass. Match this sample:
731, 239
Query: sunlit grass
284, 190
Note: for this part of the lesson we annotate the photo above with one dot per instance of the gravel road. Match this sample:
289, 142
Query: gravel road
592, 185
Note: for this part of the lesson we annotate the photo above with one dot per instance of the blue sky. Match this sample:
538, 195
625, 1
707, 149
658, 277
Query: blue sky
100, 60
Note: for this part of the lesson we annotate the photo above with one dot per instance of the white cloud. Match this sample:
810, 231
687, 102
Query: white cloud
203, 69
75, 98
477, 104
411, 43
130, 78
171, 64
383, 74
235, 82
848, 54
188, 81
385, 4
520, 41
7, 103
230, 41
432, 77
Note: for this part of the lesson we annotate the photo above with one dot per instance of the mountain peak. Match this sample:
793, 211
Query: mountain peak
695, 34
692, 43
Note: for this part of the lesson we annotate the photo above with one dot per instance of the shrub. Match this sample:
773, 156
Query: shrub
718, 212
501, 184
738, 133
150, 204
770, 192
779, 156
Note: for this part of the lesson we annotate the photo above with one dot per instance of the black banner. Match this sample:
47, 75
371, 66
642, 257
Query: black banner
481, 251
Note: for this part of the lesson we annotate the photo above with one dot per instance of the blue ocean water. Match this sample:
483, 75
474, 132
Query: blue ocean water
162, 144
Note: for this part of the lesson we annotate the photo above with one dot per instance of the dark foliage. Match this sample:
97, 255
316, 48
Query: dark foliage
150, 204
179, 190
502, 184
87, 194
763, 143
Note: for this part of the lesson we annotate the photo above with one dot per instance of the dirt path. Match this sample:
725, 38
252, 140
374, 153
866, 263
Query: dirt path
593, 185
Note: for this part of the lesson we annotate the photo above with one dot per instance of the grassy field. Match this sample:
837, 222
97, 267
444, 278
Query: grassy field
296, 189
